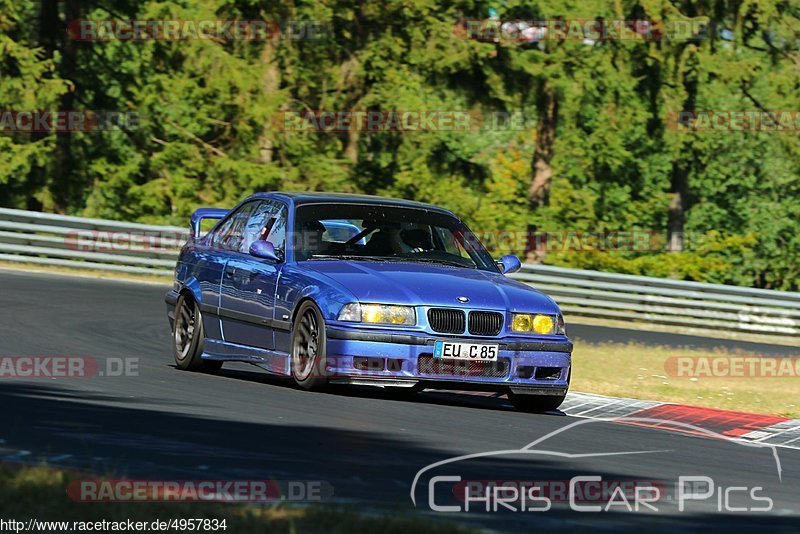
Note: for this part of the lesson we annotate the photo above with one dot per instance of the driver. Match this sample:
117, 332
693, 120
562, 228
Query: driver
417, 239
310, 242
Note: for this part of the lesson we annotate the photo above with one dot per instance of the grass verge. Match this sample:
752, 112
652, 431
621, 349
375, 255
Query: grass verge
40, 493
651, 373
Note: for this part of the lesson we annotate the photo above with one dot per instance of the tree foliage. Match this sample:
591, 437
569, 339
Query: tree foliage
597, 150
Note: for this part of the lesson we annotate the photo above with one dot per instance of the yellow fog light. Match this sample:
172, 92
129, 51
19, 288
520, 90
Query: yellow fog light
543, 324
378, 314
522, 323
537, 323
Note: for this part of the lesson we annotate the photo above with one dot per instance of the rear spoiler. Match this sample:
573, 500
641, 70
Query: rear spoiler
205, 213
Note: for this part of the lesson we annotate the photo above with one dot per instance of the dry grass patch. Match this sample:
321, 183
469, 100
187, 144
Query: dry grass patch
650, 373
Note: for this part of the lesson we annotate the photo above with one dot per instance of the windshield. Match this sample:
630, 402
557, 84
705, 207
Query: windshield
362, 232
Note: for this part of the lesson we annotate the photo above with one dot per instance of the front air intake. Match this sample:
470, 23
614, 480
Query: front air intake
427, 364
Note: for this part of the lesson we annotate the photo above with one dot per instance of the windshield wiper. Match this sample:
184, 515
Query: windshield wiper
441, 262
347, 258
396, 259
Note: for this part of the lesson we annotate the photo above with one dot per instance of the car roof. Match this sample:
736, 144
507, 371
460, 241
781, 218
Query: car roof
299, 198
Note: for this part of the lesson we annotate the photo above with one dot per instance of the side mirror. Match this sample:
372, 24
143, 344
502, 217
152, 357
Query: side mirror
509, 264
264, 250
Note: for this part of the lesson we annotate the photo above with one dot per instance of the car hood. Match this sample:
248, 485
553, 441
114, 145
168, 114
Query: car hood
418, 284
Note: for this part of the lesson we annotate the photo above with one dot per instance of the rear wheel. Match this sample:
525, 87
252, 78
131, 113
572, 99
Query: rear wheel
188, 336
535, 403
308, 348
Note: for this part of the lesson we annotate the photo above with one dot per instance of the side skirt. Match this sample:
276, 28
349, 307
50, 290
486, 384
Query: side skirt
271, 360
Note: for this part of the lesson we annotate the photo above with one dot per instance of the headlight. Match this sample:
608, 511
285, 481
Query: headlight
378, 314
538, 323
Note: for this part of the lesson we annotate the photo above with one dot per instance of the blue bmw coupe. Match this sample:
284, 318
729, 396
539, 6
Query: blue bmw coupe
362, 290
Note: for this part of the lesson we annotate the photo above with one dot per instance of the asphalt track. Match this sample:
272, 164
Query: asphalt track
367, 445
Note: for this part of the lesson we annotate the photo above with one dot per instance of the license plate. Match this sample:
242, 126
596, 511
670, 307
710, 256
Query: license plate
454, 350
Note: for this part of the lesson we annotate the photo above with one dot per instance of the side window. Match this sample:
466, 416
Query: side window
275, 231
268, 223
229, 235
215, 236
255, 225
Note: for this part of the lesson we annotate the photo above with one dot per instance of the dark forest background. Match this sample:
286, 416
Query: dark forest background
596, 152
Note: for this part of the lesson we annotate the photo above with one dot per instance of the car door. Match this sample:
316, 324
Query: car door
247, 303
208, 264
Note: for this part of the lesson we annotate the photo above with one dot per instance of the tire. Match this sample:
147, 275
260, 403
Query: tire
188, 336
535, 403
308, 348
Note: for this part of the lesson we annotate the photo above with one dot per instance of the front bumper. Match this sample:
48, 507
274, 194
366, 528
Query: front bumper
367, 357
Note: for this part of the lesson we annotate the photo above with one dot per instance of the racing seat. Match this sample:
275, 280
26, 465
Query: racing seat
380, 244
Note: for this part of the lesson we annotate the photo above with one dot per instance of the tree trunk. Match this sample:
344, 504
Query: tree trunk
61, 183
539, 191
679, 186
352, 86
47, 38
351, 147
270, 83
679, 178
66, 187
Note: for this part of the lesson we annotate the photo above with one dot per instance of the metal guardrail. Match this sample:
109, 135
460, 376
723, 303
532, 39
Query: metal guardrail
653, 300
78, 242
81, 243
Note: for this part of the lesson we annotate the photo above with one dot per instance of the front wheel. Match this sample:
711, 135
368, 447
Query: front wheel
308, 348
535, 403
188, 336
